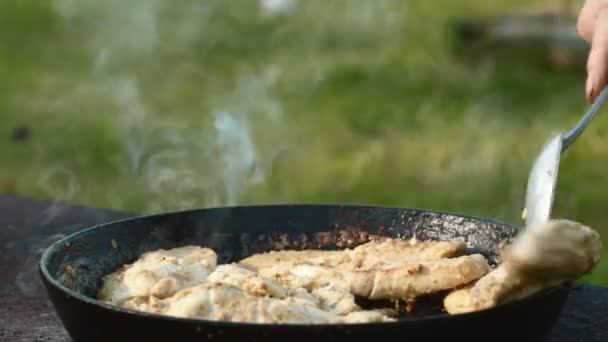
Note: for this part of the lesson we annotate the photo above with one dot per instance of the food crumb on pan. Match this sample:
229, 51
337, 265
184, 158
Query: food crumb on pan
397, 306
69, 270
409, 308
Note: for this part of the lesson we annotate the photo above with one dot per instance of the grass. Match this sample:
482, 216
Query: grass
146, 107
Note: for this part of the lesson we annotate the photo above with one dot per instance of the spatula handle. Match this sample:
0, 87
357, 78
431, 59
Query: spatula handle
569, 137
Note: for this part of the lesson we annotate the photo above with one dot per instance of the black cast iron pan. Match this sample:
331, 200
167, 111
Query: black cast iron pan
72, 269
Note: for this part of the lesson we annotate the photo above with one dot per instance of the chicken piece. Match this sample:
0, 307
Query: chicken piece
336, 299
308, 276
215, 301
146, 304
371, 254
402, 281
358, 317
397, 251
317, 257
254, 284
559, 249
408, 281
541, 256
201, 289
248, 281
224, 302
160, 274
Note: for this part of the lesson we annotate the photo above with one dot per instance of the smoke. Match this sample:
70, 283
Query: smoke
172, 165
60, 184
114, 25
27, 280
238, 154
149, 58
272, 8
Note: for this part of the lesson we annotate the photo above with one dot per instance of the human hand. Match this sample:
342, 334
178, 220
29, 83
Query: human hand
592, 26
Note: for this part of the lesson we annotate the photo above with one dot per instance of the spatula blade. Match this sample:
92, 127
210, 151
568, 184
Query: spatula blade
542, 181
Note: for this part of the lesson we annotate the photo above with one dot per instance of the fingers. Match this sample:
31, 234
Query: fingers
592, 26
586, 19
597, 63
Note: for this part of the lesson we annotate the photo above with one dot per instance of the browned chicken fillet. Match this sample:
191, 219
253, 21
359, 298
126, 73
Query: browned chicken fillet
159, 273
371, 254
336, 299
401, 281
412, 280
542, 256
396, 251
318, 257
227, 302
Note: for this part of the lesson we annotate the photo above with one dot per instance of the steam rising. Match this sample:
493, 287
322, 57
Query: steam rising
238, 154
60, 184
222, 154
272, 8
175, 168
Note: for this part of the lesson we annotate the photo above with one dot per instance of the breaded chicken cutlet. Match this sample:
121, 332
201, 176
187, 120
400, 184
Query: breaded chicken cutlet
290, 286
542, 256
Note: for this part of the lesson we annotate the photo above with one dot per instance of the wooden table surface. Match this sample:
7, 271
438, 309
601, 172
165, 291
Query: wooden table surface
27, 227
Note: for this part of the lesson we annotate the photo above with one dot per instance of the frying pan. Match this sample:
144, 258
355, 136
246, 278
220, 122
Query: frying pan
71, 270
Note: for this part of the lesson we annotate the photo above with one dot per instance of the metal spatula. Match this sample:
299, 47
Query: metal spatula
543, 175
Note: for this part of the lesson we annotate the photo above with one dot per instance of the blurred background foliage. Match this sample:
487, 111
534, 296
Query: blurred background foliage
152, 105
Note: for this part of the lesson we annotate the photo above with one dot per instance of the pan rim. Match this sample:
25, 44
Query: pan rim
52, 281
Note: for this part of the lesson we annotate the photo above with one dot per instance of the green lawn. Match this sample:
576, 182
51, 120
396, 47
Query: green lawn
150, 105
